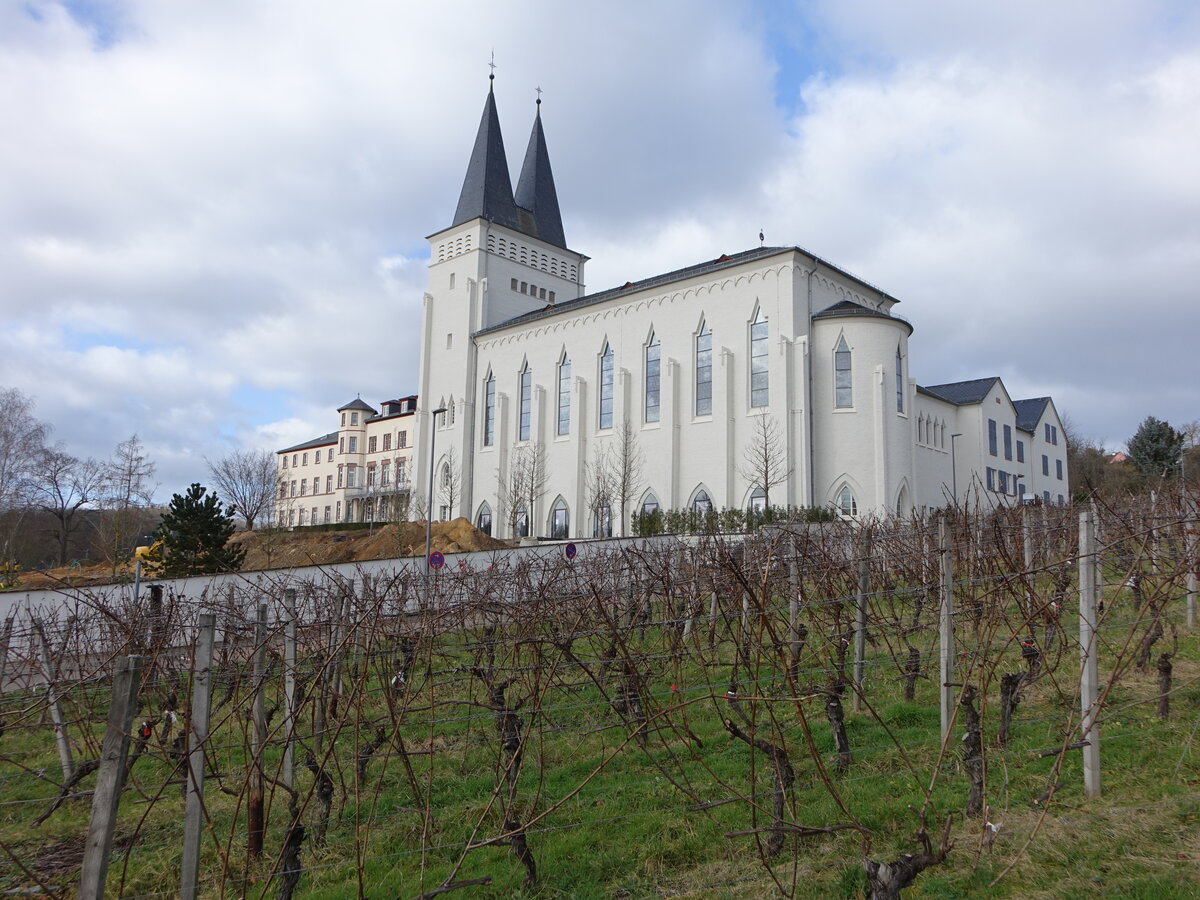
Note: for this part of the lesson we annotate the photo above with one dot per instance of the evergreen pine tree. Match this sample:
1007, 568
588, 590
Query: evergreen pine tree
1155, 448
194, 535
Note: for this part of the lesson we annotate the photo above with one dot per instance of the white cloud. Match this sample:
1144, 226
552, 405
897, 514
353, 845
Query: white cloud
212, 220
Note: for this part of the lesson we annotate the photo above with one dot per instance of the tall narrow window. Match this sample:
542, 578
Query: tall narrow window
846, 503
489, 412
992, 436
843, 381
704, 372
606, 387
1008, 442
564, 395
526, 403
559, 520
899, 381
758, 362
653, 363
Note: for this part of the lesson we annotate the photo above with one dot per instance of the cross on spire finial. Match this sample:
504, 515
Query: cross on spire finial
492, 66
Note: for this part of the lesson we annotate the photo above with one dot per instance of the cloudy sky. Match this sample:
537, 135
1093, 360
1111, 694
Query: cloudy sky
212, 215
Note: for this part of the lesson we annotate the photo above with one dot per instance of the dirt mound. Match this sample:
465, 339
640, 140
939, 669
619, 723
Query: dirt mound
287, 549
274, 550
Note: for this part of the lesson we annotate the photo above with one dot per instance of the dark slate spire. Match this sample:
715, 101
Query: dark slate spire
487, 189
535, 188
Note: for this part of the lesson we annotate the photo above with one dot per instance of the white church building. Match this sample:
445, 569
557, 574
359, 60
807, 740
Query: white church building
766, 375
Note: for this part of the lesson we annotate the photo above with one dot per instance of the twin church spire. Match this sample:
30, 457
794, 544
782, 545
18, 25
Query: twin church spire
487, 190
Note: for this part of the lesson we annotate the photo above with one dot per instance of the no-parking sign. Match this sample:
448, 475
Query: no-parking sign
436, 560
570, 551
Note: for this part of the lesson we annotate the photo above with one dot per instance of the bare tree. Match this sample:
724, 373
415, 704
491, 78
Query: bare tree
22, 441
628, 462
63, 485
765, 462
599, 489
126, 489
246, 478
526, 484
450, 483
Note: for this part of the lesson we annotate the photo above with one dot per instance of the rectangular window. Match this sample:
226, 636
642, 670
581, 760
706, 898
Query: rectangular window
385, 473
653, 371
1058, 467
526, 404
991, 478
370, 476
341, 476
402, 440
704, 372
489, 413
399, 472
1045, 464
303, 487
339, 510
1020, 451
341, 445
564, 396
387, 441
329, 484
292, 488
327, 509
1008, 442
316, 484
353, 445
330, 454
351, 472
992, 437
606, 388
304, 460
843, 376
285, 459
899, 381
371, 441
513, 285
1004, 482
759, 375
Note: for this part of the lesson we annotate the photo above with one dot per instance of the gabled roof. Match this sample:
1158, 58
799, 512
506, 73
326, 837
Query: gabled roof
1029, 412
845, 308
321, 441
487, 189
705, 268
961, 393
358, 403
535, 189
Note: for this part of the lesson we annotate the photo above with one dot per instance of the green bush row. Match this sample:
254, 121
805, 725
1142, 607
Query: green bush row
729, 520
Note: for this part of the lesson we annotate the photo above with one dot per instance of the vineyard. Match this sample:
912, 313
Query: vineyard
1000, 705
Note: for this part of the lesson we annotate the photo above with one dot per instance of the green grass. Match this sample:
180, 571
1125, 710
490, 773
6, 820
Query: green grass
626, 828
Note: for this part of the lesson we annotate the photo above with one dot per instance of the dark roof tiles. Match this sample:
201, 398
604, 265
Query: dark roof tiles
321, 441
535, 190
358, 403
487, 188
961, 393
1029, 412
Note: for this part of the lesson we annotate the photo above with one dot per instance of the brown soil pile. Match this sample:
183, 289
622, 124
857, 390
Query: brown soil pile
306, 548
286, 549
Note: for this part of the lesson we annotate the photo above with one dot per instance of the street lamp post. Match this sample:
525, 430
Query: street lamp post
954, 470
429, 499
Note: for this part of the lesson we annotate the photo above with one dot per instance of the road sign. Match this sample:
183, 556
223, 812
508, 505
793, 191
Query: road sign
436, 560
570, 550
